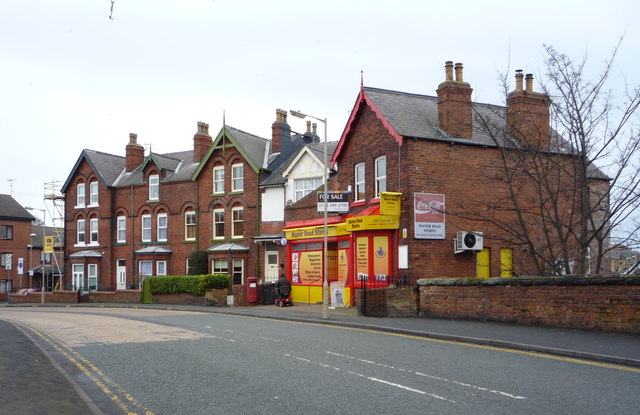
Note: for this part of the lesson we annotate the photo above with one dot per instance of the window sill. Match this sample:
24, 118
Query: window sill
94, 205
94, 244
79, 206
189, 241
374, 201
236, 192
79, 245
358, 203
216, 194
165, 242
153, 200
120, 243
146, 242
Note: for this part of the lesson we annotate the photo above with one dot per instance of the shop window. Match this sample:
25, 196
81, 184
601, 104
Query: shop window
146, 228
238, 271
7, 232
218, 224
218, 179
237, 177
359, 182
80, 195
93, 193
122, 229
162, 227
381, 175
154, 187
305, 186
190, 226
237, 226
317, 245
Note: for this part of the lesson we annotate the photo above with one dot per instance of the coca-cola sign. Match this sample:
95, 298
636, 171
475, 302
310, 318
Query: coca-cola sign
429, 216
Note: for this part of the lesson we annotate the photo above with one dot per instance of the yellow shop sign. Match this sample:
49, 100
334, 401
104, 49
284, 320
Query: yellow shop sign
363, 223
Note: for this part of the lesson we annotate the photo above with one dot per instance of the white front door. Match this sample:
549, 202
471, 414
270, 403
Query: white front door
271, 266
122, 275
78, 277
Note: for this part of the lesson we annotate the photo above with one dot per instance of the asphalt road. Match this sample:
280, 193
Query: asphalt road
171, 362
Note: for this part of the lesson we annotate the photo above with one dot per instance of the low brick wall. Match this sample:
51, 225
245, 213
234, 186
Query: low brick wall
240, 296
57, 297
607, 304
119, 297
387, 302
179, 299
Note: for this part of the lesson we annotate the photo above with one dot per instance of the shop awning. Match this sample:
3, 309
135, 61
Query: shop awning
227, 247
153, 250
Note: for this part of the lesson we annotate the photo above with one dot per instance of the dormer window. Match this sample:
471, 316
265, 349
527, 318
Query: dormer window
154, 187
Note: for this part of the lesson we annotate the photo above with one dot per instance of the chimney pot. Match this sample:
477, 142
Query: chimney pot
529, 82
448, 70
459, 72
308, 126
133, 138
315, 128
519, 77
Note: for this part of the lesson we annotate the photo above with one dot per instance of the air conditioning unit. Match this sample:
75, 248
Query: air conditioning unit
467, 241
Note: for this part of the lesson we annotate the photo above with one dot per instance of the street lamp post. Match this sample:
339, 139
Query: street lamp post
325, 283
30, 246
42, 253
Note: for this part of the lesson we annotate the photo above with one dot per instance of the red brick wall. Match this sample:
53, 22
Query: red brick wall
120, 297
59, 297
610, 308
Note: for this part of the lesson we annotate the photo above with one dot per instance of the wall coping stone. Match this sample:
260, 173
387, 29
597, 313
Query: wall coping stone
571, 281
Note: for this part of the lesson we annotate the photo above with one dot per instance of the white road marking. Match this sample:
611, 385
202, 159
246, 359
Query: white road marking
455, 382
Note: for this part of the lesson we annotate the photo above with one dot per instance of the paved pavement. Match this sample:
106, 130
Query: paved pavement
615, 348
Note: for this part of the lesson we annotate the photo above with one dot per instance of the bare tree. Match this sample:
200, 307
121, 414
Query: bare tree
561, 193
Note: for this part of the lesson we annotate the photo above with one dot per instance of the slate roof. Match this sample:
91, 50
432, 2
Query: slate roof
10, 209
416, 116
254, 146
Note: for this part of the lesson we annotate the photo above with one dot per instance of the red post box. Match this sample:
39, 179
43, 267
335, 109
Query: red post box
252, 290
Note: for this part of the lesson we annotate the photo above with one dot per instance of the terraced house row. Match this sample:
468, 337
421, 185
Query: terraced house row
416, 179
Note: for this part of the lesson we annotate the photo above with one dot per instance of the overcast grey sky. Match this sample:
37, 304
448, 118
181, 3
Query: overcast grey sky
71, 78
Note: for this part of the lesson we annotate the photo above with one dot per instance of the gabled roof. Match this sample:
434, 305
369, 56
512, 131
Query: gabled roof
254, 149
177, 166
10, 209
107, 167
415, 116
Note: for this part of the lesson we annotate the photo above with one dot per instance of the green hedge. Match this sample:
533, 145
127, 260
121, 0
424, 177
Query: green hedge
190, 284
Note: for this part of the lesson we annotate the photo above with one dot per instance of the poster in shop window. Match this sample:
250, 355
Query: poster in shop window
429, 217
310, 268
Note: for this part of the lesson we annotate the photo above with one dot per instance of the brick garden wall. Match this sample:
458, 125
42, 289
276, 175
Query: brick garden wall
58, 297
602, 307
120, 297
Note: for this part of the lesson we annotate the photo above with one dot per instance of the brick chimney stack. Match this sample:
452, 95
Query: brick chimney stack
280, 132
201, 141
528, 114
134, 153
454, 103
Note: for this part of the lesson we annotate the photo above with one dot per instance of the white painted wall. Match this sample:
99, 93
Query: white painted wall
306, 167
273, 204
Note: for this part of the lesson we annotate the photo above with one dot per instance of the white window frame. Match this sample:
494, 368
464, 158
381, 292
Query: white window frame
381, 176
146, 228
235, 272
303, 187
94, 199
92, 276
145, 262
189, 214
359, 182
217, 222
121, 231
93, 231
215, 269
161, 267
81, 195
234, 221
81, 232
162, 228
186, 263
154, 187
218, 182
237, 180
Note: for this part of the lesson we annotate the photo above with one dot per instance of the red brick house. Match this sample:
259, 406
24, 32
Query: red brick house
131, 217
15, 231
442, 154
